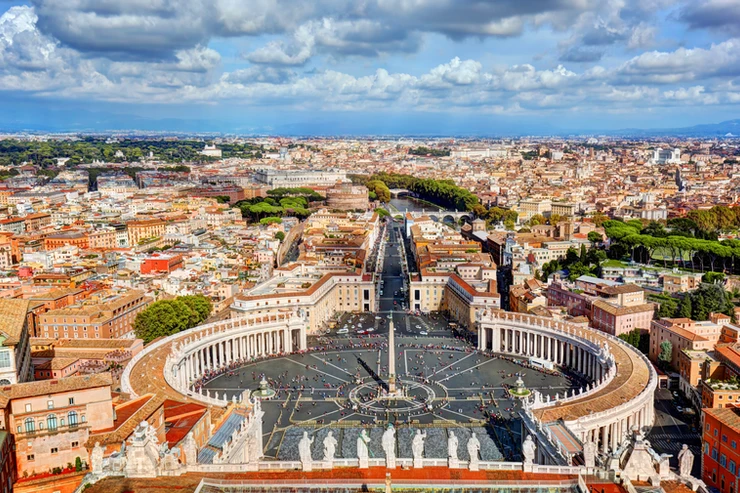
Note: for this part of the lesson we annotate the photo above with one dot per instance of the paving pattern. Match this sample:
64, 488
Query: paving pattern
468, 393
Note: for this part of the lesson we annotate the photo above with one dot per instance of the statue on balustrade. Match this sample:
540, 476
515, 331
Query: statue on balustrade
389, 446
685, 461
330, 446
529, 448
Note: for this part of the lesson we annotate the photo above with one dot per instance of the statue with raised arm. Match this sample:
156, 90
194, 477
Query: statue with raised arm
363, 452
330, 446
685, 461
417, 448
304, 451
389, 446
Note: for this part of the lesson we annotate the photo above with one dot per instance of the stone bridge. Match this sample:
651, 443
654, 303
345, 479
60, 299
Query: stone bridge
444, 215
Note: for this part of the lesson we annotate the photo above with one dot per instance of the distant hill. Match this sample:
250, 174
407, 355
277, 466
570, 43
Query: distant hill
728, 128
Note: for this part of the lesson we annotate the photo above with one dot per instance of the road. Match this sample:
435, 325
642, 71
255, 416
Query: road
671, 430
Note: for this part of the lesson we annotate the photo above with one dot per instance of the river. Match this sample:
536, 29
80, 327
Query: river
410, 204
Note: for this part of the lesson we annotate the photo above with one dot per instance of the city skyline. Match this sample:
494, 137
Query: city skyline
430, 68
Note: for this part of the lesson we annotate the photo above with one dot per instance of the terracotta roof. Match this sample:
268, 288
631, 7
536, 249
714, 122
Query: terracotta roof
128, 416
46, 387
56, 364
632, 377
12, 319
623, 310
728, 416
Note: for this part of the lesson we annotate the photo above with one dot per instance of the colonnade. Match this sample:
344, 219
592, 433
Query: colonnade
573, 347
228, 349
544, 347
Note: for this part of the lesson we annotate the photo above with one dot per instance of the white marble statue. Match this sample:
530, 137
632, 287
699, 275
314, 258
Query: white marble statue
473, 452
589, 453
190, 449
452, 443
330, 446
304, 451
417, 448
685, 461
96, 459
389, 446
363, 454
529, 449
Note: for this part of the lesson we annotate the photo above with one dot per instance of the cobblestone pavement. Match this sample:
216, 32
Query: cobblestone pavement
313, 392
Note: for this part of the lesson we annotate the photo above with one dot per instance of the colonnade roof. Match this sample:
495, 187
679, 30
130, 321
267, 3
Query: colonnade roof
633, 375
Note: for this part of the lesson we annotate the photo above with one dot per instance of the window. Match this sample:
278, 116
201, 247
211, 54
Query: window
75, 444
733, 444
732, 467
714, 453
50, 404
72, 418
51, 421
5, 359
724, 438
722, 460
54, 450
30, 425
30, 458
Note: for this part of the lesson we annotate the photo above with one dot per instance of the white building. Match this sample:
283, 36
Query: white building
666, 156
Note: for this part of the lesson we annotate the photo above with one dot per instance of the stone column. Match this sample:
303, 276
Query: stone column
604, 440
482, 338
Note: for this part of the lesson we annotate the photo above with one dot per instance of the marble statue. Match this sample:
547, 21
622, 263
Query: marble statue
142, 455
473, 452
96, 459
304, 451
529, 449
685, 461
452, 443
363, 454
589, 453
330, 446
417, 448
190, 449
389, 446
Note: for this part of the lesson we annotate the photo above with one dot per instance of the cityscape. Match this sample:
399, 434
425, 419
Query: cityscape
427, 246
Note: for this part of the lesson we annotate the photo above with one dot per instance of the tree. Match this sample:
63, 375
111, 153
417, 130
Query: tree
536, 220
280, 236
666, 353
166, 317
161, 319
509, 224
555, 219
198, 304
382, 212
222, 199
380, 189
684, 308
270, 220
78, 464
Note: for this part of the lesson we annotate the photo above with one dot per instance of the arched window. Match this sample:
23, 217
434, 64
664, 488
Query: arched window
4, 381
72, 418
51, 421
30, 425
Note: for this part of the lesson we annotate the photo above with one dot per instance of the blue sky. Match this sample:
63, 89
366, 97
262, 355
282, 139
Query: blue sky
368, 66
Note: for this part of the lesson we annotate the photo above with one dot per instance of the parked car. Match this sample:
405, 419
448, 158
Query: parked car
343, 331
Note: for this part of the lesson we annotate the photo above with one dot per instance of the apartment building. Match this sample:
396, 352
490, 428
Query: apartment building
15, 332
51, 420
105, 315
141, 230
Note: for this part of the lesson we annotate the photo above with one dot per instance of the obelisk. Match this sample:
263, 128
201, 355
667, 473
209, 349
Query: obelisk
391, 357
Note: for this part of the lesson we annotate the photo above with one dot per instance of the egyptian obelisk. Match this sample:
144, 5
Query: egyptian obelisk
391, 357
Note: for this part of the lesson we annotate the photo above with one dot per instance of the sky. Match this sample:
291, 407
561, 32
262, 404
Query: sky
444, 67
